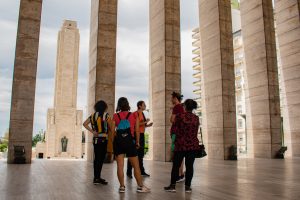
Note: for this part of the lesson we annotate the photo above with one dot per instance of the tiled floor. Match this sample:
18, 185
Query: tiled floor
65, 179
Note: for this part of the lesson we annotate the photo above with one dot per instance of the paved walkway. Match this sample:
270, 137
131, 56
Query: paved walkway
213, 180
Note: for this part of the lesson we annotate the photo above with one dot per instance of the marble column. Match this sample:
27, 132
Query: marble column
218, 76
102, 58
287, 15
165, 70
262, 88
24, 78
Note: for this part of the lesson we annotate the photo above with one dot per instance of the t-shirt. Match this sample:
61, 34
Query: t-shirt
187, 125
178, 109
123, 115
98, 123
141, 118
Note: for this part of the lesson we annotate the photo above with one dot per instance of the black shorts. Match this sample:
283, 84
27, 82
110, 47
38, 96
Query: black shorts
125, 146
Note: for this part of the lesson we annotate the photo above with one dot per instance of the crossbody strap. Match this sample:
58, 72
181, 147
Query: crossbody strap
128, 115
201, 136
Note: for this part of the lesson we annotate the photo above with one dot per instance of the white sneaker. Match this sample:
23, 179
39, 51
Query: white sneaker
180, 179
143, 189
122, 189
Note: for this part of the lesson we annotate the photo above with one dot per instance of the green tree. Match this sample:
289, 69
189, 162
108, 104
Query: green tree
4, 142
146, 149
235, 4
38, 138
3, 147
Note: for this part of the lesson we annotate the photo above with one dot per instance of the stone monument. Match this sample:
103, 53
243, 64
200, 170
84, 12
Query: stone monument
64, 121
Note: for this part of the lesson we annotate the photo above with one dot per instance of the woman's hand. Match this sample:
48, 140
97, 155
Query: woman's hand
149, 125
137, 145
95, 134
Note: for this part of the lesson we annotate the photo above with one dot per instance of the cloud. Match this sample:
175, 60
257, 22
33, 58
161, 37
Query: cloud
5, 98
189, 16
54, 11
9, 10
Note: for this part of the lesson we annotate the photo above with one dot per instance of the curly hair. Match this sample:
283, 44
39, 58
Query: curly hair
100, 107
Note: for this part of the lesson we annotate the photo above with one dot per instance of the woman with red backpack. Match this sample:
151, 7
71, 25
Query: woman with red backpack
124, 144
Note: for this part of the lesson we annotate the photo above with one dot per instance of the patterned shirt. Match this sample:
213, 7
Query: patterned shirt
187, 125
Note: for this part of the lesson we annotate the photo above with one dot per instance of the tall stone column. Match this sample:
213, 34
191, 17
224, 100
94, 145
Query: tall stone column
102, 58
218, 75
262, 99
288, 33
24, 78
165, 70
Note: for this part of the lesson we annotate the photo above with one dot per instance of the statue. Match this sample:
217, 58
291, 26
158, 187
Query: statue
64, 143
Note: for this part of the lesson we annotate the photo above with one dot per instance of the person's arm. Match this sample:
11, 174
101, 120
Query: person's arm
177, 124
149, 125
172, 119
145, 122
111, 126
86, 125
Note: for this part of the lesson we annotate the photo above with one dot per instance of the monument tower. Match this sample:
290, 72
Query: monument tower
64, 121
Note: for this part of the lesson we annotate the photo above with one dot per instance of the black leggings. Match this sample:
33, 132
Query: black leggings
100, 149
189, 165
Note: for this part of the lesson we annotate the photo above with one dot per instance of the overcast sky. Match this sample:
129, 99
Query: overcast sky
132, 51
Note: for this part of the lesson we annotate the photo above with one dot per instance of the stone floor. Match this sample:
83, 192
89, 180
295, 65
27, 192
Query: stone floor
66, 179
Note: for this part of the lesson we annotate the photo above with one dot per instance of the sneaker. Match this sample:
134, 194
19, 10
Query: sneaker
188, 189
96, 181
180, 179
142, 189
170, 188
145, 174
103, 181
122, 189
129, 176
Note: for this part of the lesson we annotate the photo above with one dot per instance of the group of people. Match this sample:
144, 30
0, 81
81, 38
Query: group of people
127, 129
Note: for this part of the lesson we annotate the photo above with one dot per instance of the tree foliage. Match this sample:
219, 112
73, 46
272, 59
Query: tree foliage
4, 142
40, 137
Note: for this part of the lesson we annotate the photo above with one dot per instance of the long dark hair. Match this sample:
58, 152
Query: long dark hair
123, 104
190, 105
100, 107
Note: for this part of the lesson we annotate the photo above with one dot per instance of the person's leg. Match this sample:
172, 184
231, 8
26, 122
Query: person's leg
120, 167
129, 169
103, 150
137, 172
181, 172
177, 160
97, 151
189, 164
141, 153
